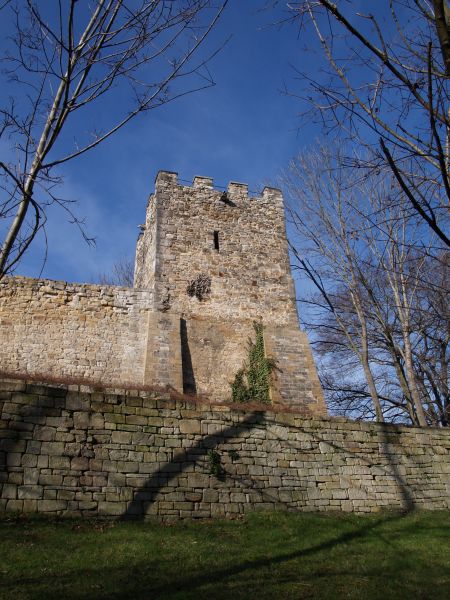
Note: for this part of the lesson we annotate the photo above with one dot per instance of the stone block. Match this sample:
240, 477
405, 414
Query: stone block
121, 437
112, 508
48, 479
29, 460
13, 459
65, 495
30, 492
42, 462
44, 434
79, 463
53, 448
96, 421
14, 505
12, 445
190, 426
33, 447
198, 480
81, 420
59, 462
9, 491
30, 506
193, 496
30, 476
51, 505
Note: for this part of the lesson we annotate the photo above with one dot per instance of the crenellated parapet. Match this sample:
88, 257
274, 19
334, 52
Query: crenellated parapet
169, 179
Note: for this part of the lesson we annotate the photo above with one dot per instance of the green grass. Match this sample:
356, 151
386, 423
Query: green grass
264, 556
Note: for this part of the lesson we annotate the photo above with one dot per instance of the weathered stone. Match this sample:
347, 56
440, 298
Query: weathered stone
9, 491
13, 459
190, 426
79, 463
177, 481
51, 505
30, 492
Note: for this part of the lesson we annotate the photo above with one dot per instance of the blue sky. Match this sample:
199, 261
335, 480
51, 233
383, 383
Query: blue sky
243, 129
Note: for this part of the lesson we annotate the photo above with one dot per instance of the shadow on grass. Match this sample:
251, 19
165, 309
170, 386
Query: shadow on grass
269, 575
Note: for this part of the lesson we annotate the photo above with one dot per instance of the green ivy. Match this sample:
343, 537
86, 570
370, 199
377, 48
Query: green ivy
252, 382
215, 465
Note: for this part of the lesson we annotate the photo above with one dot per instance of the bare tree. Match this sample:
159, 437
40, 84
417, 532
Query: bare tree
384, 85
66, 57
375, 299
322, 212
122, 274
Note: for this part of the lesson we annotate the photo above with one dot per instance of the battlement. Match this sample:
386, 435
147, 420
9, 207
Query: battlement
234, 189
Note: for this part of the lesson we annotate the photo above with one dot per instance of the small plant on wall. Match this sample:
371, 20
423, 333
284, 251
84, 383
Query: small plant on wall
252, 382
200, 287
215, 465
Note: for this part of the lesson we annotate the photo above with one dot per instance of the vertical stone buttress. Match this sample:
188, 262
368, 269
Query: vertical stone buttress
232, 249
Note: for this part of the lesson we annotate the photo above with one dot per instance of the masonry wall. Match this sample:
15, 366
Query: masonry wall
250, 271
145, 260
71, 330
213, 351
78, 452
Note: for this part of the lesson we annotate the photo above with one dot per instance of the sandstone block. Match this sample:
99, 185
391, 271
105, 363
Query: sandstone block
9, 491
32, 492
51, 505
112, 508
191, 426
29, 460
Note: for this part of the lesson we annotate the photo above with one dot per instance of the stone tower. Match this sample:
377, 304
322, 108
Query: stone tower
216, 262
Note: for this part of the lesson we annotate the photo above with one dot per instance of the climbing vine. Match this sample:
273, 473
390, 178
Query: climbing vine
252, 382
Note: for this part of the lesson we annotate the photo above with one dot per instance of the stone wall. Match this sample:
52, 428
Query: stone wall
73, 451
145, 261
213, 351
249, 269
71, 330
156, 334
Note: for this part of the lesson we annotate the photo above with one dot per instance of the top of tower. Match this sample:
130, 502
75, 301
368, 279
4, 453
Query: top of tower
234, 188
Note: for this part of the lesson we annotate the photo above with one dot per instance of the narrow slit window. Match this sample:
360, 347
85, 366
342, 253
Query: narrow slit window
216, 241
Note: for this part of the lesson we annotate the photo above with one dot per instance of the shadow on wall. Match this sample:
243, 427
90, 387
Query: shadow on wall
182, 461
189, 384
43, 416
187, 459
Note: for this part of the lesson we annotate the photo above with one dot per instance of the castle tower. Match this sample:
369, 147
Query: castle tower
216, 262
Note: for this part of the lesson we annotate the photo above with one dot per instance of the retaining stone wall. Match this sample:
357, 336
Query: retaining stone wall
74, 451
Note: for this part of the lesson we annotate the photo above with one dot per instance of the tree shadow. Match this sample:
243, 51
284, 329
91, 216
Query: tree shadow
188, 458
185, 460
386, 431
152, 581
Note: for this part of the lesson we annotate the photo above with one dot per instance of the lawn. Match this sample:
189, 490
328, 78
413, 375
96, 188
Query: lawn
265, 555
